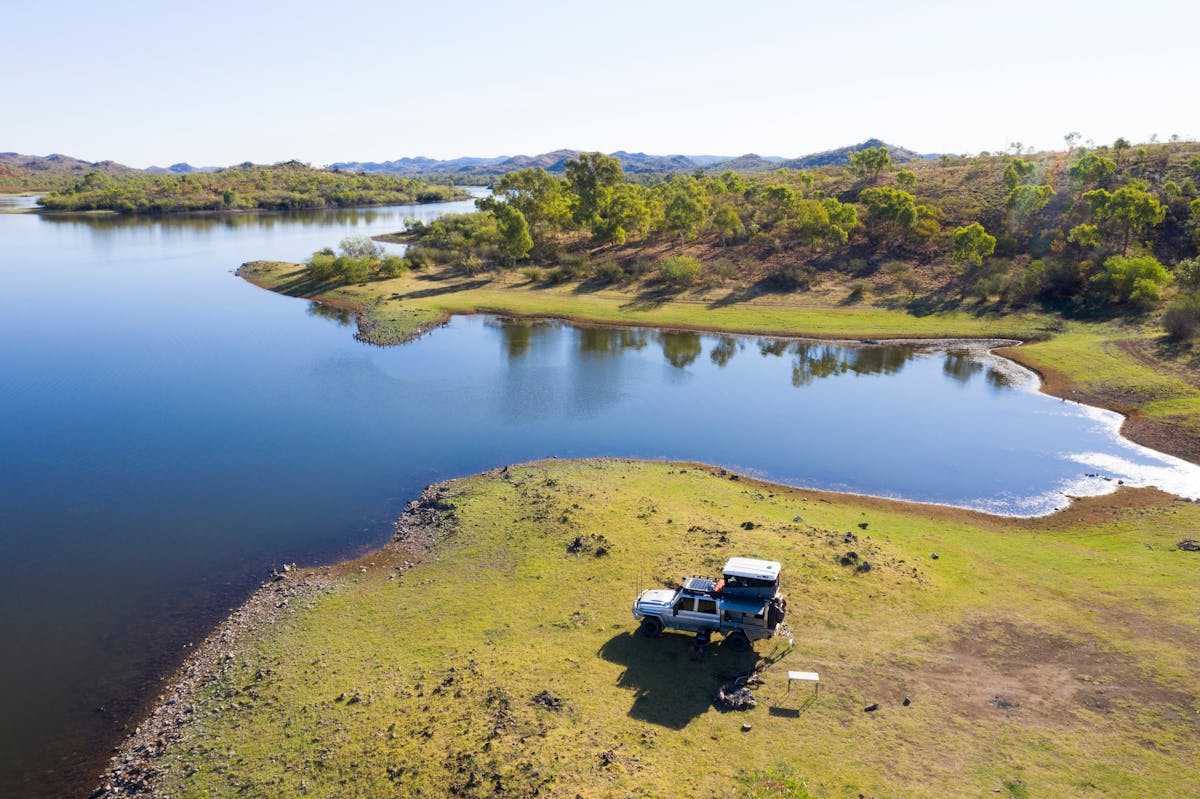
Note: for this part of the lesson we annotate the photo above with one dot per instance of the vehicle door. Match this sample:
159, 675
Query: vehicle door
696, 613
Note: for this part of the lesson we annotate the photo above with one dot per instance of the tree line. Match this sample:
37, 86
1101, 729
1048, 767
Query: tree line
1090, 228
284, 186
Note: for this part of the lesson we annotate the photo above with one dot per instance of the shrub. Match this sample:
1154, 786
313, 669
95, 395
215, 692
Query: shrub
680, 270
419, 258
322, 265
572, 266
393, 265
1182, 319
1052, 280
793, 277
1188, 273
1135, 280
857, 289
610, 272
532, 274
724, 268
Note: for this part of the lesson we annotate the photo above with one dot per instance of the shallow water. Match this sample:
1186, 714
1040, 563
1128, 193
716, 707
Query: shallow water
171, 433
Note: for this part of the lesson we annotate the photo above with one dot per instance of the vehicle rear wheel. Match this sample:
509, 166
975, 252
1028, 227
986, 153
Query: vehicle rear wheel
738, 642
652, 627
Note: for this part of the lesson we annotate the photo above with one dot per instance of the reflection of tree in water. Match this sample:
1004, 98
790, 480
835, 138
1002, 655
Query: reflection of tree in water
813, 360
680, 348
998, 378
609, 340
961, 365
773, 346
265, 220
880, 360
519, 334
339, 315
724, 350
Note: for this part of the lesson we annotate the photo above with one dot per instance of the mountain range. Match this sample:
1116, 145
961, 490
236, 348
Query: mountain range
468, 167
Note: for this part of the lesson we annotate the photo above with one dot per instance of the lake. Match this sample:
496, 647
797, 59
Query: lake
172, 433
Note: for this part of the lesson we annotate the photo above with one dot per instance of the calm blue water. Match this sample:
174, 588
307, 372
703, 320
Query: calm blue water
170, 433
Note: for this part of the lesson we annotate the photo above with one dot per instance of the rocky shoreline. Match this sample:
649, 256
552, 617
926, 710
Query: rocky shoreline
133, 770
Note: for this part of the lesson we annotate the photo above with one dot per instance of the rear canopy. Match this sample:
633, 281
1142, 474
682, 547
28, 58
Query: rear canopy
752, 569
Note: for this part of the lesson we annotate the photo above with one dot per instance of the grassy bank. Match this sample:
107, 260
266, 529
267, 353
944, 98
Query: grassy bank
1050, 657
1114, 364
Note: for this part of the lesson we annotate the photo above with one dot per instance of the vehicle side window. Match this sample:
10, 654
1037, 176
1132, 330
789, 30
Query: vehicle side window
684, 603
706, 606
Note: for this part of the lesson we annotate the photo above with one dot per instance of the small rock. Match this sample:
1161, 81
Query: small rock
935, 556
871, 708
863, 525
797, 519
907, 701
747, 727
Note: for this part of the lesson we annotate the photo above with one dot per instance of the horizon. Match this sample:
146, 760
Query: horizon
530, 154
148, 85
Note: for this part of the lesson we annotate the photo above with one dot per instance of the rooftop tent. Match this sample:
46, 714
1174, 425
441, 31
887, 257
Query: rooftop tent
751, 569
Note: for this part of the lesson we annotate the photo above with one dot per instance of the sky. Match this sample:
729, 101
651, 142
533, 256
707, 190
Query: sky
218, 83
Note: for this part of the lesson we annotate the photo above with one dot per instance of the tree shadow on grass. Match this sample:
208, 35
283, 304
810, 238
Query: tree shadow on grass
652, 297
451, 289
669, 688
759, 288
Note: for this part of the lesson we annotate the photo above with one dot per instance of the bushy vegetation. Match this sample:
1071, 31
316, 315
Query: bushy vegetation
290, 185
357, 260
1091, 229
680, 270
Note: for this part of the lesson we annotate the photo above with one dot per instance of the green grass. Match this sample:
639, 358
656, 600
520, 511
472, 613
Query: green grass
1045, 658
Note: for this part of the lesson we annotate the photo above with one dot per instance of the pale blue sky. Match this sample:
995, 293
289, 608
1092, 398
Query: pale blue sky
222, 82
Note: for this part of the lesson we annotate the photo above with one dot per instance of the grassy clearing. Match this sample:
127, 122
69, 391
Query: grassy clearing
1051, 657
818, 313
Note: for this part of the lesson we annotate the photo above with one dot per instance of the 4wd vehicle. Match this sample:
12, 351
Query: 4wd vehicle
744, 605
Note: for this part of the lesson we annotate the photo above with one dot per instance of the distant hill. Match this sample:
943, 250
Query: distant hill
841, 155
750, 162
632, 163
554, 161
63, 164
51, 172
180, 169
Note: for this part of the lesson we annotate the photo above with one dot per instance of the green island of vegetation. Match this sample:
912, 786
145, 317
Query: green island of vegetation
279, 187
490, 651
1089, 255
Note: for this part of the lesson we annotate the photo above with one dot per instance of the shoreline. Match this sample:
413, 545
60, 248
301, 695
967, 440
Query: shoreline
1135, 426
130, 770
425, 524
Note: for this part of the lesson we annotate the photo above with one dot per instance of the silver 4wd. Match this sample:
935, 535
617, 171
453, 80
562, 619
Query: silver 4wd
744, 605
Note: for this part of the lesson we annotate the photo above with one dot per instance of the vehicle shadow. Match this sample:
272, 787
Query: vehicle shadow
668, 687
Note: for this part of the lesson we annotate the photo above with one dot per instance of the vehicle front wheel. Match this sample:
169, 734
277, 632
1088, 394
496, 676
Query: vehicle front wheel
738, 642
652, 627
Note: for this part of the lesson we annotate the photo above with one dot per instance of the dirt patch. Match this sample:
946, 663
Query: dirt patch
999, 668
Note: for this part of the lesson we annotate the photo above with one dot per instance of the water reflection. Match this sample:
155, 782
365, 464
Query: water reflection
219, 220
609, 341
518, 335
322, 310
680, 348
811, 360
724, 350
